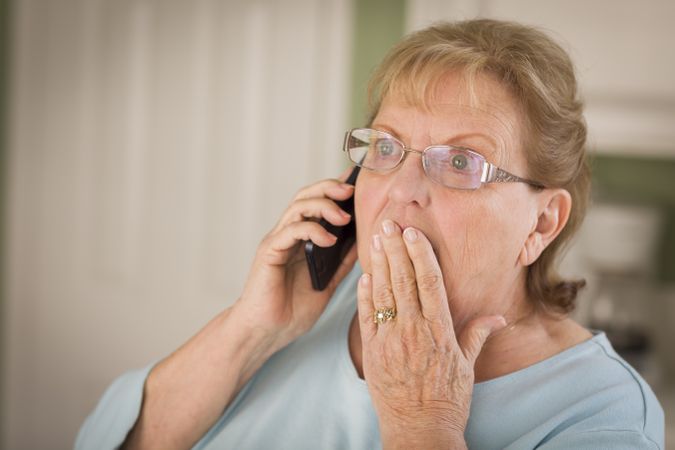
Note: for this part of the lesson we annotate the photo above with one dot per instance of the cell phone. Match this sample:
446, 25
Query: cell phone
323, 262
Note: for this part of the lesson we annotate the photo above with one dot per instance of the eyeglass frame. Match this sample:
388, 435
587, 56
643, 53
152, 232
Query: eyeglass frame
490, 173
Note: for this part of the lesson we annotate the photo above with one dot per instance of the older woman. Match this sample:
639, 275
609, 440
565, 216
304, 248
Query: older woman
473, 177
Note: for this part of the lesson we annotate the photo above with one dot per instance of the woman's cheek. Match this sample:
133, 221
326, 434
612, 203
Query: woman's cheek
363, 247
366, 213
468, 249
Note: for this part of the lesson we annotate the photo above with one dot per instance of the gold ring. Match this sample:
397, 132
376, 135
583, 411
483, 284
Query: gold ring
382, 315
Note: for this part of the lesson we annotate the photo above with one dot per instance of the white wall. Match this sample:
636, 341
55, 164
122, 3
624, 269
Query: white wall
153, 143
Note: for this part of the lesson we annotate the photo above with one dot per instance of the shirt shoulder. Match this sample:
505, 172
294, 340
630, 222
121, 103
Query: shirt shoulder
583, 391
116, 413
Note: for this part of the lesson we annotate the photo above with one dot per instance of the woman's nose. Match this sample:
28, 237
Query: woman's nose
409, 183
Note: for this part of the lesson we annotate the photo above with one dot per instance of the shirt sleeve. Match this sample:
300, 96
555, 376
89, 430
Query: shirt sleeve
601, 440
116, 413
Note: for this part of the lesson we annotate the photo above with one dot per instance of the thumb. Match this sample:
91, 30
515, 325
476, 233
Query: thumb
476, 333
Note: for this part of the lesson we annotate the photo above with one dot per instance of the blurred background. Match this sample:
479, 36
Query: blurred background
146, 146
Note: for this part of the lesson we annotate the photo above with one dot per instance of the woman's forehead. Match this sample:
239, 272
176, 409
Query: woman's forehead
494, 130
479, 96
496, 116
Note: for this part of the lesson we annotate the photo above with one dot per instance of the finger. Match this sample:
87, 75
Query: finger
366, 309
428, 277
331, 188
401, 271
281, 244
476, 333
382, 293
319, 208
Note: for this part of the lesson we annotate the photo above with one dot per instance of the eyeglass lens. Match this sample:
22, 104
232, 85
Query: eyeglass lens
451, 166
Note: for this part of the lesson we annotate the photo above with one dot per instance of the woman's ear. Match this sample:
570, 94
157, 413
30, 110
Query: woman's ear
553, 211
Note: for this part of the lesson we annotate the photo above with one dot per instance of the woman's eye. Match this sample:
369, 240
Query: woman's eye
385, 147
460, 162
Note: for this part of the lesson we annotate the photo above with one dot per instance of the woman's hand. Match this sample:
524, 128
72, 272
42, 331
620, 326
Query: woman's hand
419, 374
278, 298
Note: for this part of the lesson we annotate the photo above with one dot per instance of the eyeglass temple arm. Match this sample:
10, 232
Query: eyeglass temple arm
493, 174
346, 140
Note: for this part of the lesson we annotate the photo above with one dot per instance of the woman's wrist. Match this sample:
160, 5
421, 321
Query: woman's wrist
420, 437
421, 433
255, 342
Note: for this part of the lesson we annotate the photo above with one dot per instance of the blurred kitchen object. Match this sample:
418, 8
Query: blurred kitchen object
619, 244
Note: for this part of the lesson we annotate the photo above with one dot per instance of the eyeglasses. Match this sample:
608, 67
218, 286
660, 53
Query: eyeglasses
451, 166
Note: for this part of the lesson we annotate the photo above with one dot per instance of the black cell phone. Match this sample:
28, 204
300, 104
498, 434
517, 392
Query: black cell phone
323, 262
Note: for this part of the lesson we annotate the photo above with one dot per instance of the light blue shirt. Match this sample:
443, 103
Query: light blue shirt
309, 396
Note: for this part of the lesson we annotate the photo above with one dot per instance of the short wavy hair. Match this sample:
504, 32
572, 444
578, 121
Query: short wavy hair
541, 76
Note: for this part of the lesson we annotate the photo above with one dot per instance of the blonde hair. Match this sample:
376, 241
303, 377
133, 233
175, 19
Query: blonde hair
540, 74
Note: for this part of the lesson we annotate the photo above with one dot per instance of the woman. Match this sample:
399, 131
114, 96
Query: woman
473, 177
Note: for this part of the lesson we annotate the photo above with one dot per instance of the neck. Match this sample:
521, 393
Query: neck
527, 338
525, 342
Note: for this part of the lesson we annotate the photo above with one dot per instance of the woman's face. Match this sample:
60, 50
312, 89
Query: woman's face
477, 235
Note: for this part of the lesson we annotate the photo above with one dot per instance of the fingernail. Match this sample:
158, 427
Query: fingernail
344, 213
388, 227
410, 235
347, 186
364, 280
377, 242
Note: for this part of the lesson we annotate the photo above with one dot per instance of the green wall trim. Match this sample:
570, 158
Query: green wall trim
378, 24
641, 181
634, 179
